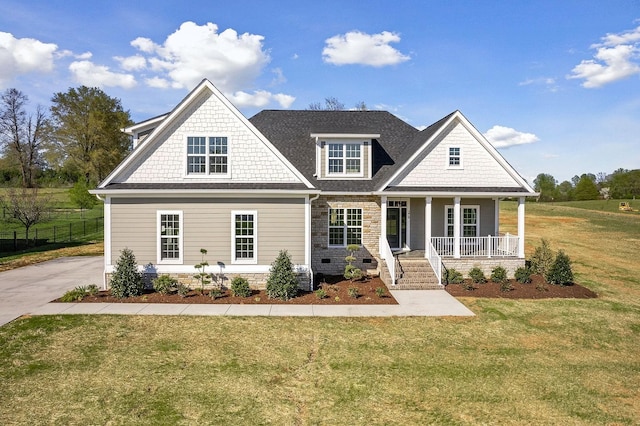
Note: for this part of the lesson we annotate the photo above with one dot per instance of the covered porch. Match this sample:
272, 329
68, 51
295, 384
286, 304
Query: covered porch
447, 230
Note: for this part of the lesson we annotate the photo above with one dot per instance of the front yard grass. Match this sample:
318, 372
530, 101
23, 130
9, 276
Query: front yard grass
558, 361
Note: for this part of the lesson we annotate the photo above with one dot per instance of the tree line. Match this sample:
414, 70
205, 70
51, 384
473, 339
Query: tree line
78, 138
621, 184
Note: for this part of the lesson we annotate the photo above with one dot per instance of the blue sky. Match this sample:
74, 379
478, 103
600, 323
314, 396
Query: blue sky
555, 85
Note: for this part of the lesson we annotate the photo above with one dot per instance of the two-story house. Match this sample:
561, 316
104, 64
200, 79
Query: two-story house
311, 183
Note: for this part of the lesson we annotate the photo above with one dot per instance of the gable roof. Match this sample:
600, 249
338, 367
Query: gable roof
290, 131
164, 123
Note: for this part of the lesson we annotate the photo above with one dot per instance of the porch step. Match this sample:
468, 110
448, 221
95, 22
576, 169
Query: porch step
416, 274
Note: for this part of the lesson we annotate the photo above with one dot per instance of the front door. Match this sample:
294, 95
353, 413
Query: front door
397, 225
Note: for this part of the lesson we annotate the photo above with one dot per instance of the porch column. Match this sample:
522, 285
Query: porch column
521, 227
497, 217
383, 219
427, 225
456, 227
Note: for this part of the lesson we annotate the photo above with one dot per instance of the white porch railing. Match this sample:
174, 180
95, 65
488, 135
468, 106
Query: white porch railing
436, 262
489, 246
389, 258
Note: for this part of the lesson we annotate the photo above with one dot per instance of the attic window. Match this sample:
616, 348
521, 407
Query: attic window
207, 156
344, 159
455, 158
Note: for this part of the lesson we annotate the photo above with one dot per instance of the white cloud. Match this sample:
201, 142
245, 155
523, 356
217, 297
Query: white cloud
84, 56
547, 82
260, 98
132, 63
356, 47
90, 74
193, 52
616, 58
24, 55
504, 137
158, 83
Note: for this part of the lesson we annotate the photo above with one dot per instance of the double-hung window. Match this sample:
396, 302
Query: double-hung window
207, 155
344, 158
170, 233
345, 227
469, 221
244, 233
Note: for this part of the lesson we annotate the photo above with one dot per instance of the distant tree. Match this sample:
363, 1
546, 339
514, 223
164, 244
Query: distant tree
545, 184
27, 207
586, 189
625, 184
80, 196
22, 135
361, 106
564, 191
87, 136
602, 178
330, 104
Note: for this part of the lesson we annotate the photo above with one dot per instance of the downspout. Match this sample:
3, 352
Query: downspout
310, 243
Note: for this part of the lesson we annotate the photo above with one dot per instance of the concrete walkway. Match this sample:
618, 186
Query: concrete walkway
29, 290
419, 303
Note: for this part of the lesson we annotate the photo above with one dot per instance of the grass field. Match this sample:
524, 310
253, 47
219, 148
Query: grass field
517, 362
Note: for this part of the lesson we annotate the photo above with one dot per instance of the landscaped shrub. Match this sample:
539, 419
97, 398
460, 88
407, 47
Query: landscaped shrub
75, 295
523, 275
350, 271
477, 276
126, 281
215, 293
92, 289
282, 282
542, 258
380, 292
202, 277
165, 284
354, 292
499, 275
320, 293
240, 287
182, 290
506, 285
560, 272
451, 276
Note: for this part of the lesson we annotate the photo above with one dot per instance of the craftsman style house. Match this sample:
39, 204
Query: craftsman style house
311, 183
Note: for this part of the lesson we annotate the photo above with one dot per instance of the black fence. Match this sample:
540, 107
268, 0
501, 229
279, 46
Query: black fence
77, 231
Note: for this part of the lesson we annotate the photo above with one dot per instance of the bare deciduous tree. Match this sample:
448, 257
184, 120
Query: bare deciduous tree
28, 207
22, 135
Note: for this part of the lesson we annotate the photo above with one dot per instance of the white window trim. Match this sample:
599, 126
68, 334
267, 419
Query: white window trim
179, 260
254, 260
462, 207
344, 174
391, 204
206, 174
345, 227
448, 156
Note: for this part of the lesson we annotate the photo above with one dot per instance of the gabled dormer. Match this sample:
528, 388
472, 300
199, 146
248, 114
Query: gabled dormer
344, 156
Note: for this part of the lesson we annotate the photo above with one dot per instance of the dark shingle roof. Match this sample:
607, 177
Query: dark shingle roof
209, 185
290, 132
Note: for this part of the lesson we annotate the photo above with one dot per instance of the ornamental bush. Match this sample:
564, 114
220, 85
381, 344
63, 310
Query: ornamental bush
240, 287
451, 276
282, 282
523, 275
477, 276
126, 281
165, 284
560, 272
499, 275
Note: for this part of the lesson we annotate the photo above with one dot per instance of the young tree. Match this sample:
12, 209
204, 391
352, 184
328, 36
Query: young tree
282, 282
87, 136
22, 135
27, 207
80, 196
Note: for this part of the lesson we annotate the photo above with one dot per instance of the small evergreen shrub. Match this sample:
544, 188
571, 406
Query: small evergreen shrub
451, 276
468, 285
560, 272
240, 287
321, 293
182, 290
75, 295
506, 285
126, 281
477, 276
92, 289
499, 275
165, 284
215, 293
523, 275
380, 292
542, 258
282, 282
202, 276
354, 292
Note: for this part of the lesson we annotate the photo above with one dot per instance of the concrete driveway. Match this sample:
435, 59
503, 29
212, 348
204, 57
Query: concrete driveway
26, 289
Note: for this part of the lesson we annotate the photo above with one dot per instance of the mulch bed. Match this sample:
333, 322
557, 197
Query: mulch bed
537, 289
336, 288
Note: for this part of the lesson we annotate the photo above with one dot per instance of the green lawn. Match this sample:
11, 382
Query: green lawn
516, 362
